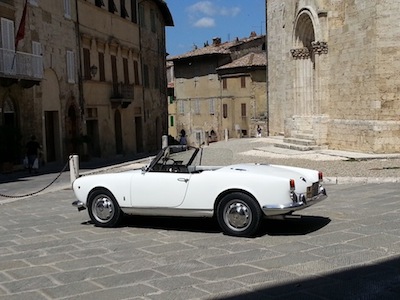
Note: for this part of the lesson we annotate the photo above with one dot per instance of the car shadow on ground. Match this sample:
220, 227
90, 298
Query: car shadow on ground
207, 225
300, 226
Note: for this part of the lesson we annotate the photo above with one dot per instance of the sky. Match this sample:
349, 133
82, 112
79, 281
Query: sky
199, 21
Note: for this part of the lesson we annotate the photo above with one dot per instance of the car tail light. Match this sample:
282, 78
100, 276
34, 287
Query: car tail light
320, 176
292, 185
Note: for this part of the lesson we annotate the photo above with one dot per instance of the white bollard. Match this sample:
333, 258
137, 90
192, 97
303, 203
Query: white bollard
164, 141
226, 134
73, 167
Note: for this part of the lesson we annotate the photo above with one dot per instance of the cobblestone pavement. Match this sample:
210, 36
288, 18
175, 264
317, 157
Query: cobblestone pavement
346, 247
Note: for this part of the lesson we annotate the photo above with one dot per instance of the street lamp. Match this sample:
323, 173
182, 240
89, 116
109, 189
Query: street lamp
93, 70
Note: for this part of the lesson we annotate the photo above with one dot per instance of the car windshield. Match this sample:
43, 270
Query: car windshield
183, 159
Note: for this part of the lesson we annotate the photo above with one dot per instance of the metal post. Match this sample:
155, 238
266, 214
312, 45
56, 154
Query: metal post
73, 167
226, 134
164, 141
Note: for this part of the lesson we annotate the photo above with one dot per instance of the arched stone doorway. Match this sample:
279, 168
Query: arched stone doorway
304, 66
8, 113
118, 132
10, 135
307, 119
51, 125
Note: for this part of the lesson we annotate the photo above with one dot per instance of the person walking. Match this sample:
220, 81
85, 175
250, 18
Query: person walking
258, 131
32, 153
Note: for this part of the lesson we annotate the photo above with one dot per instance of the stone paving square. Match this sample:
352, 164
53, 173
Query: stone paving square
344, 248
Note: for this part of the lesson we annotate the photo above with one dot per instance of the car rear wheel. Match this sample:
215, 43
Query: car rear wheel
103, 209
238, 214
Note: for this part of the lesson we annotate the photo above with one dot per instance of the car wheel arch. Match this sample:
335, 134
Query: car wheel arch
95, 190
231, 191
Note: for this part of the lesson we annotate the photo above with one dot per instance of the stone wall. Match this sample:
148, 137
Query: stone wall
358, 84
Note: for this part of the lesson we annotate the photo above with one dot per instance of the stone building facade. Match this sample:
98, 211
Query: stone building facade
219, 90
124, 79
34, 91
332, 73
89, 76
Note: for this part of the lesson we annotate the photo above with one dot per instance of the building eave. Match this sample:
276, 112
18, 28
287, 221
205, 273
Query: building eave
162, 5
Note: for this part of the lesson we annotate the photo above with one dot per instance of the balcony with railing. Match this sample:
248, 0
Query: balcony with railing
123, 94
20, 65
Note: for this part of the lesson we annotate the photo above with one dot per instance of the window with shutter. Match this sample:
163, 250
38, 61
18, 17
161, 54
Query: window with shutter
71, 66
37, 59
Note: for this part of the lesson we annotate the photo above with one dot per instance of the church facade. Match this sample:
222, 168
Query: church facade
333, 73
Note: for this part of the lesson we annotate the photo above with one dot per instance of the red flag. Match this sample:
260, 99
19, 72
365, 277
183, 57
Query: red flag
21, 29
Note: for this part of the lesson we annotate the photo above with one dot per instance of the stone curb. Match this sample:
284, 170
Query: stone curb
361, 180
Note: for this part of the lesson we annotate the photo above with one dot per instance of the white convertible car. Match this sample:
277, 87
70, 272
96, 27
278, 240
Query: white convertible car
176, 183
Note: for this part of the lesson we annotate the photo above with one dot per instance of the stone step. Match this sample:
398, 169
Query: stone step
304, 136
296, 147
298, 141
300, 147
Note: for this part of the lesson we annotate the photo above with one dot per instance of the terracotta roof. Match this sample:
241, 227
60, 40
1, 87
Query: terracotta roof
208, 50
212, 49
250, 60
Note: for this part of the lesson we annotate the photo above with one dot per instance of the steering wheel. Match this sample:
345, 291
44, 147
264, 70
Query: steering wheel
167, 159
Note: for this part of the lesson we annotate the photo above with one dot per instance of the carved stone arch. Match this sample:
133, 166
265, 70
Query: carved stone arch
302, 52
306, 50
307, 13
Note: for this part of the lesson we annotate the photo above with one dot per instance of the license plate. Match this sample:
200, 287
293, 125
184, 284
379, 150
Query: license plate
312, 190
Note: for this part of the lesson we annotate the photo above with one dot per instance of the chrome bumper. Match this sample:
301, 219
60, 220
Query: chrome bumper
273, 210
79, 205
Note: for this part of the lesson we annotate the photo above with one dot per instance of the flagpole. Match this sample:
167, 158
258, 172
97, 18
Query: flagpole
21, 32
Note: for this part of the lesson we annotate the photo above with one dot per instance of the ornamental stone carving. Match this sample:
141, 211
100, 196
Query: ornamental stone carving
320, 47
300, 53
304, 53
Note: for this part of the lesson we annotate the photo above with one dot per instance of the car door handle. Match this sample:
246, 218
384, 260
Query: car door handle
183, 179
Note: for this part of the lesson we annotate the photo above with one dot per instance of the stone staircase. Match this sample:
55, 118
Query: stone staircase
301, 142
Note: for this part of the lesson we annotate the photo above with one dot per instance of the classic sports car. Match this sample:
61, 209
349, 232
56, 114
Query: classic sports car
175, 183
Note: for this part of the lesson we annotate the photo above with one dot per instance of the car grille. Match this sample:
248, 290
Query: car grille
313, 190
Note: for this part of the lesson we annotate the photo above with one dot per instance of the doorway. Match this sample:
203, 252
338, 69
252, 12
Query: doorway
118, 132
139, 134
52, 138
72, 131
93, 136
10, 136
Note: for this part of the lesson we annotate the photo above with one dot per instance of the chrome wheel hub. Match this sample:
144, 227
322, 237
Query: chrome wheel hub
237, 215
103, 209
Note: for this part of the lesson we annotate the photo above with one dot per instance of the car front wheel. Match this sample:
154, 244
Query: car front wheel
238, 214
103, 209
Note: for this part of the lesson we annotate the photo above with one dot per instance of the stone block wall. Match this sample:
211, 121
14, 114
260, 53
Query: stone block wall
359, 84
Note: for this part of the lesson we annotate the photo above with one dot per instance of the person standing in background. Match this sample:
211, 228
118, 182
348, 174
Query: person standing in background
183, 140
